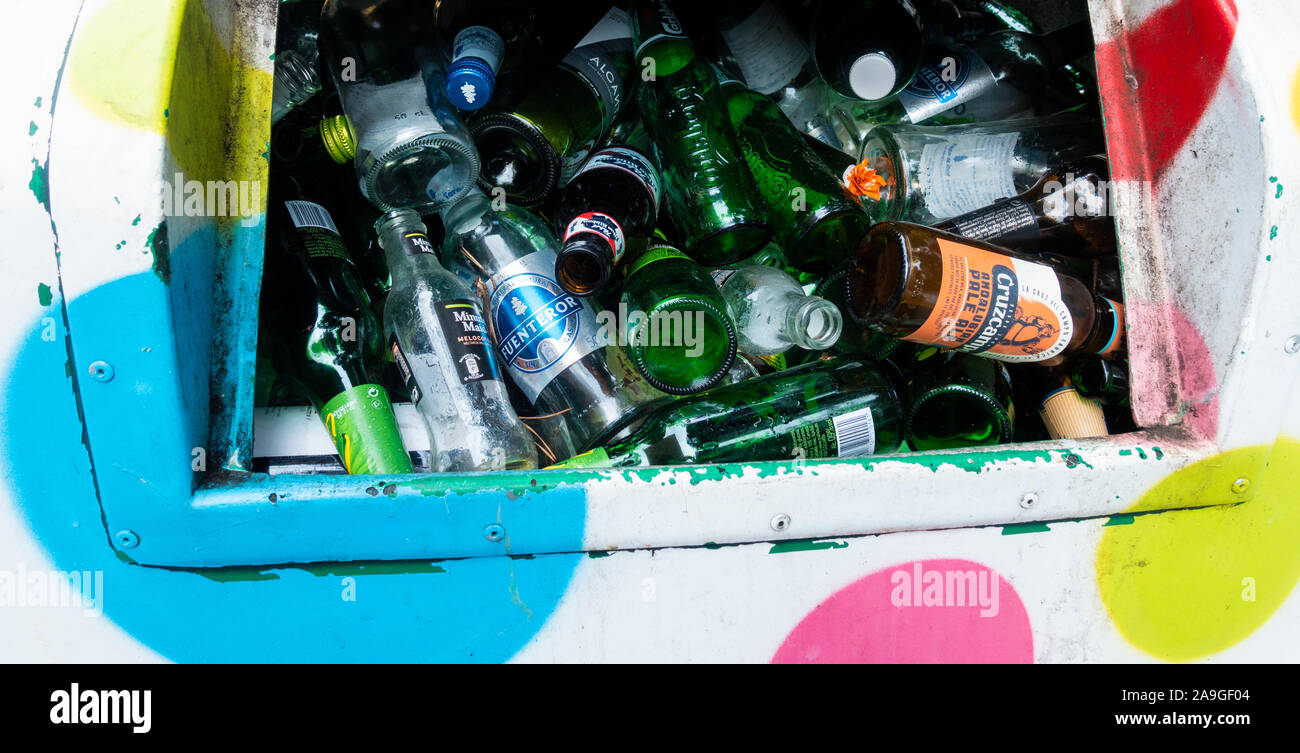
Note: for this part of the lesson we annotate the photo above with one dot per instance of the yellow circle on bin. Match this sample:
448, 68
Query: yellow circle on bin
1187, 584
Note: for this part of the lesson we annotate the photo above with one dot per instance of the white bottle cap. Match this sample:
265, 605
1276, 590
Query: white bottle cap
872, 76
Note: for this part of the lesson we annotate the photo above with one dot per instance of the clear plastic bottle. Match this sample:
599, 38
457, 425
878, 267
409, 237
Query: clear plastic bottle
440, 343
412, 150
772, 314
558, 352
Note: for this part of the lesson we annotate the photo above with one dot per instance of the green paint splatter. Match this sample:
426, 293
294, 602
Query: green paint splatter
1261, 118
235, 574
1272, 179
161, 250
136, 221
805, 545
1141, 453
38, 102
1019, 528
1120, 520
1272, 233
1158, 453
44, 294
598, 555
1279, 191
167, 113
1268, 257
31, 129
1125, 453
321, 570
40, 184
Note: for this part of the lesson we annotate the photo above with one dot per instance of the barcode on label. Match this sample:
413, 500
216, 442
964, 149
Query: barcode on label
307, 214
855, 433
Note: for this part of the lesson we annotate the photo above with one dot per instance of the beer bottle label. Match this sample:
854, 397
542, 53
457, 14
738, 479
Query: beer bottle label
948, 77
629, 161
602, 225
847, 436
994, 305
466, 336
540, 328
360, 420
963, 173
766, 47
317, 231
593, 60
1011, 222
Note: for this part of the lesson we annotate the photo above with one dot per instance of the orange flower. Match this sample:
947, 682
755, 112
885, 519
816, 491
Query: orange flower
861, 180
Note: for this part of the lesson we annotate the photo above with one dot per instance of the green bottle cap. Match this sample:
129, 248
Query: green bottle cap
339, 140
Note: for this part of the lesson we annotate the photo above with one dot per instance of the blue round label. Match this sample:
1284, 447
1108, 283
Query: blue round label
535, 320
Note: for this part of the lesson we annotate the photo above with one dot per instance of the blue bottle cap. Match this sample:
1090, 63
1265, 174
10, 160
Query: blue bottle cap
469, 83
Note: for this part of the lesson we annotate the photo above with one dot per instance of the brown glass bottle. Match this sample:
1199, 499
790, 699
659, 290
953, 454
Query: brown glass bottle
932, 287
1066, 212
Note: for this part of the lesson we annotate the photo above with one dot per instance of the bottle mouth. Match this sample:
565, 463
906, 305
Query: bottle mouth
427, 173
929, 427
663, 376
873, 76
517, 157
817, 324
582, 268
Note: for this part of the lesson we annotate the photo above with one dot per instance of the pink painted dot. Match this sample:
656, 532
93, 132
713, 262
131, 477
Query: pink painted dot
945, 611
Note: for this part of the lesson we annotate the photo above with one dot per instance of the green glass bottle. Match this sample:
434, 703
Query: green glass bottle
542, 142
677, 330
710, 192
1103, 380
329, 341
956, 400
836, 408
816, 221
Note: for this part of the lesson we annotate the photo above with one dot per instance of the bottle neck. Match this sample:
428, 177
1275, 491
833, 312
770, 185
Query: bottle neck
402, 235
812, 323
1064, 45
468, 213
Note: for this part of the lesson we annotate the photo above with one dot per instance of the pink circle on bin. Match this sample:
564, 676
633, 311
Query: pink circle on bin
875, 620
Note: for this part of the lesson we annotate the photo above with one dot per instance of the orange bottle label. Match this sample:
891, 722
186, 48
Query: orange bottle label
1116, 342
991, 304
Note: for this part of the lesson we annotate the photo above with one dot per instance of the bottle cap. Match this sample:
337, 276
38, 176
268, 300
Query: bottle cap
873, 76
469, 83
1069, 415
339, 139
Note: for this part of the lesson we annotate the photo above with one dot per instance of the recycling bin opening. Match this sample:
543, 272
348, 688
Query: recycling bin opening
681, 236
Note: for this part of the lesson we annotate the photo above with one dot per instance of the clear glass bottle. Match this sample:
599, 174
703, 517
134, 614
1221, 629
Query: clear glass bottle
551, 342
926, 174
412, 150
297, 55
439, 340
772, 313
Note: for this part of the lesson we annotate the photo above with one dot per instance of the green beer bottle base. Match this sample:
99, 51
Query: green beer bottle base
668, 361
955, 416
829, 241
731, 244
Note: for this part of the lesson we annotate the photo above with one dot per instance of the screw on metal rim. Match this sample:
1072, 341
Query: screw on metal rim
1028, 500
494, 532
1293, 344
780, 522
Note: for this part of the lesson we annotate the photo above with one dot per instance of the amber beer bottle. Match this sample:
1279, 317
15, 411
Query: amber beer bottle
927, 286
1067, 212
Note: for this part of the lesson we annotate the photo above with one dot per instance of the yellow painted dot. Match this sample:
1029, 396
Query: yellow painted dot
161, 66
1183, 585
1295, 99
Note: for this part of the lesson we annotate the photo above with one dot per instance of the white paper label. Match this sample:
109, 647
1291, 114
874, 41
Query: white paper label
966, 173
767, 48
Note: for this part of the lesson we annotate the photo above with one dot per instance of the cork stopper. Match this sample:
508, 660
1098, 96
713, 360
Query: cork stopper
1069, 415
